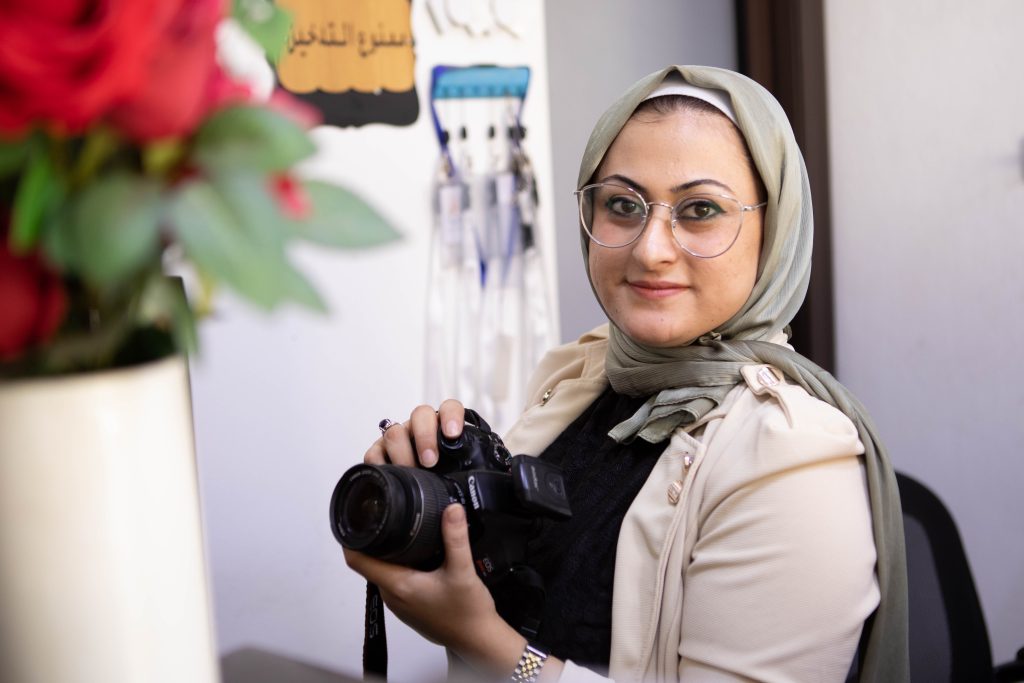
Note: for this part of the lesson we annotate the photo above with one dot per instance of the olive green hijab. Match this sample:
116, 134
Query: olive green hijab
687, 381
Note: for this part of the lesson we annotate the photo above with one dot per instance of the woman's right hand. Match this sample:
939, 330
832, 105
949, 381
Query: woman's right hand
415, 440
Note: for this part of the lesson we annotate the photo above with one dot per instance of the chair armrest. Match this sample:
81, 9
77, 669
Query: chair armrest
1010, 672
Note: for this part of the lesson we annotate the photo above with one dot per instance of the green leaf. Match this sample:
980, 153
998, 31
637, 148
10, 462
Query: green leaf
300, 290
251, 138
342, 219
114, 227
228, 250
186, 336
56, 240
164, 304
213, 238
158, 158
13, 155
267, 23
112, 320
248, 197
39, 189
99, 144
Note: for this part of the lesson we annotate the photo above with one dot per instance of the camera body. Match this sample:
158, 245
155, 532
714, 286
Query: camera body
394, 513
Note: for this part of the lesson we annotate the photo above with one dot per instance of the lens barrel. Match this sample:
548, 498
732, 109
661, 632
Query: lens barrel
392, 513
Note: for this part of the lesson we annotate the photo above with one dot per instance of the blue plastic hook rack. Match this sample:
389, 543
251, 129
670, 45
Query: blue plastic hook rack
459, 82
466, 82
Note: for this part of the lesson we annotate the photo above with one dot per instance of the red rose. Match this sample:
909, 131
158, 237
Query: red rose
64, 63
292, 199
148, 65
32, 302
183, 81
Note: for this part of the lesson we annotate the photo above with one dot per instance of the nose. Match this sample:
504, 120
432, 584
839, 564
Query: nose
657, 244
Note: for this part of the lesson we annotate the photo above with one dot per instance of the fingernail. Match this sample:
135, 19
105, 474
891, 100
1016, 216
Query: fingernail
456, 513
451, 430
428, 458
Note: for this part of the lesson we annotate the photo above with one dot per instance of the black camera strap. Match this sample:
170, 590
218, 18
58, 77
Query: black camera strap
375, 642
519, 597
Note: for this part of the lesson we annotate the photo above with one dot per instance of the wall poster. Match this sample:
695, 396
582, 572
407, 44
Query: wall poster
352, 59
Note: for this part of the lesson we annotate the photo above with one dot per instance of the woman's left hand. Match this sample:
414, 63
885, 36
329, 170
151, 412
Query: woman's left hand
449, 605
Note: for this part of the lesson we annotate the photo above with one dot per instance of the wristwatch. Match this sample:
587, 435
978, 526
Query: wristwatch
530, 663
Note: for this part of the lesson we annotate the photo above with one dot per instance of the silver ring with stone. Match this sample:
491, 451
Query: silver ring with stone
384, 425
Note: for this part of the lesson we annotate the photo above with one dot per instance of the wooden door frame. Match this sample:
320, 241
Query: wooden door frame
781, 45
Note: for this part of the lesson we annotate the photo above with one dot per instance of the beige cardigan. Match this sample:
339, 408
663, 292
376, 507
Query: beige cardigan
747, 554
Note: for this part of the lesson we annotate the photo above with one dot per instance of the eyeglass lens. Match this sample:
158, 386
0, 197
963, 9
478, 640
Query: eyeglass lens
704, 225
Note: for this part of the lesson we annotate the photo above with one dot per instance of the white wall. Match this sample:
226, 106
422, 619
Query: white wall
926, 118
595, 52
285, 403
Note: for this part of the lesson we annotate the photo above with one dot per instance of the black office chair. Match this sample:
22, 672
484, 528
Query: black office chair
948, 636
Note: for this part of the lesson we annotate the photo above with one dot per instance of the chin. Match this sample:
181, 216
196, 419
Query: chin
658, 338
668, 343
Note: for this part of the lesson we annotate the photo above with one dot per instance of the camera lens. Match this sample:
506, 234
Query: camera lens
364, 508
393, 513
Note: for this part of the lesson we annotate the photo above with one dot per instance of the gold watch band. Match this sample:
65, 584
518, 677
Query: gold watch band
530, 664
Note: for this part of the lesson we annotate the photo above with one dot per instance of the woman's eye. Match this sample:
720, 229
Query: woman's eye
625, 206
699, 209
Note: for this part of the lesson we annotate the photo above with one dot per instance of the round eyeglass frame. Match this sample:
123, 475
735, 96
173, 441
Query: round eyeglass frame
744, 208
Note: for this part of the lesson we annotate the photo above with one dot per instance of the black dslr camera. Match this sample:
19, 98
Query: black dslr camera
394, 513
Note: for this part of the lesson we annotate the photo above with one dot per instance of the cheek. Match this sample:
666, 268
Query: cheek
753, 257
725, 282
741, 272
601, 273
758, 242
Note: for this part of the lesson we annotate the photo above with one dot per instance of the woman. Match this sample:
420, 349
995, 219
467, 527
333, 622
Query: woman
734, 516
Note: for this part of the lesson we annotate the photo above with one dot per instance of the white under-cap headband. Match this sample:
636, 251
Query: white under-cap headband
675, 85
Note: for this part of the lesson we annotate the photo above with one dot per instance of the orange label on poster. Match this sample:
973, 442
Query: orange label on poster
340, 45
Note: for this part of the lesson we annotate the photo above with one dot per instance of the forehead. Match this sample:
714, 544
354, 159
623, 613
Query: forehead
667, 149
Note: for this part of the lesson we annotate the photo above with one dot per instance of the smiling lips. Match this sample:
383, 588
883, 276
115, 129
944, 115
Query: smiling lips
656, 289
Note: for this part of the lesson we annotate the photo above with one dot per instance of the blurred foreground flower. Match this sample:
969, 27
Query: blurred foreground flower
123, 139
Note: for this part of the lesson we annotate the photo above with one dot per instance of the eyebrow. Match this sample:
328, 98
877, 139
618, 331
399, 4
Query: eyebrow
678, 188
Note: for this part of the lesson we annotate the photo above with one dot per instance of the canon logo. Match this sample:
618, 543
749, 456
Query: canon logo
472, 492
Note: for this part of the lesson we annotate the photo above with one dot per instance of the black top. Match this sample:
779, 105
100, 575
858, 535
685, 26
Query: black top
577, 557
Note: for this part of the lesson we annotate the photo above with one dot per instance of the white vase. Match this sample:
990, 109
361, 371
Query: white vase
102, 571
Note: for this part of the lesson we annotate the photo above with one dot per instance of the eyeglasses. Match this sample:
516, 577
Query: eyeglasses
704, 225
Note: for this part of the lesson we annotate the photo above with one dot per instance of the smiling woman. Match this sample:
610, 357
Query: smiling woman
651, 283
734, 515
